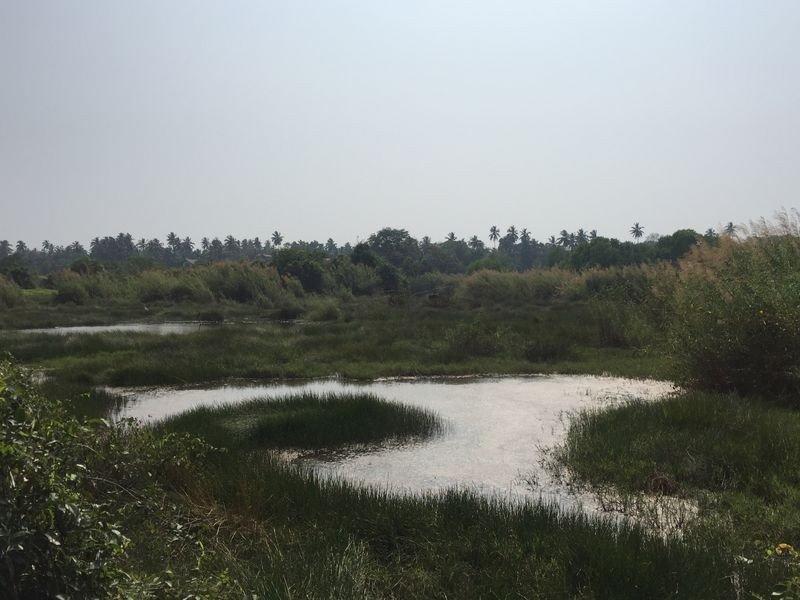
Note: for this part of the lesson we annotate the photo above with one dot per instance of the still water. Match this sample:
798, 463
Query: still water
497, 429
154, 328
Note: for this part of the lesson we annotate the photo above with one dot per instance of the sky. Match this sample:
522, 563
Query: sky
334, 119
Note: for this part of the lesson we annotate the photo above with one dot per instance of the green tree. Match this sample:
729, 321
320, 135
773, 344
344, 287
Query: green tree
277, 238
494, 234
637, 231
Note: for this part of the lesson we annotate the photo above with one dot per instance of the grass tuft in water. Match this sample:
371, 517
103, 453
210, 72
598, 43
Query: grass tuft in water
306, 421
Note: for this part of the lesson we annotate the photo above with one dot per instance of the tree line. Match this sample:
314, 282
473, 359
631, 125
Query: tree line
389, 249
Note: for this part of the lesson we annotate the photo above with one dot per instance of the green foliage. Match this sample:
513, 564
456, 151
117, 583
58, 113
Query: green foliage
307, 267
488, 288
546, 349
474, 338
697, 440
76, 498
737, 314
323, 309
306, 421
10, 294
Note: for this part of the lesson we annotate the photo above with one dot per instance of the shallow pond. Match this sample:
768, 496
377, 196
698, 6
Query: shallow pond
154, 328
498, 429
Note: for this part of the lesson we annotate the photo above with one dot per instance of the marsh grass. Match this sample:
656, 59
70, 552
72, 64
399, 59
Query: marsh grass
315, 536
734, 459
306, 421
371, 340
718, 443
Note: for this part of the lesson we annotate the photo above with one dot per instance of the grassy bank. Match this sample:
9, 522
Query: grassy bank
735, 457
172, 519
378, 339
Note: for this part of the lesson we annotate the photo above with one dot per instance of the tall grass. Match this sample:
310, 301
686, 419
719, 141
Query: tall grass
10, 294
737, 313
325, 537
306, 421
695, 440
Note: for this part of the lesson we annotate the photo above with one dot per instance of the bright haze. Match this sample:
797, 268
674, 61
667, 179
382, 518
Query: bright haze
332, 119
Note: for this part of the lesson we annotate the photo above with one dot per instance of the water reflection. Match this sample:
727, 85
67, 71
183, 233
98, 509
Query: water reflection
497, 429
154, 328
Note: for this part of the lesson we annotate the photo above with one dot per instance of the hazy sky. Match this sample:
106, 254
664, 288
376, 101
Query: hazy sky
337, 118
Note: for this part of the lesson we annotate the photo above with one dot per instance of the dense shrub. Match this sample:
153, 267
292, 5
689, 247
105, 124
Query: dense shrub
10, 294
487, 288
77, 497
241, 282
474, 338
737, 314
323, 309
174, 286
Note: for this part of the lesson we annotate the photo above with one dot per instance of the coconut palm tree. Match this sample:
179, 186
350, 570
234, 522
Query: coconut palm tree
581, 237
563, 238
730, 228
474, 243
277, 238
512, 234
494, 234
525, 235
593, 234
451, 237
637, 231
552, 240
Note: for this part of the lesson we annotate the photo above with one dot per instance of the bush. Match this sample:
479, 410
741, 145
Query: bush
737, 314
10, 294
323, 309
241, 282
488, 288
85, 506
473, 339
70, 288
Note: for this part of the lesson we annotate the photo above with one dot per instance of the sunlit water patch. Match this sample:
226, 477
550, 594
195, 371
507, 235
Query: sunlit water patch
154, 328
497, 429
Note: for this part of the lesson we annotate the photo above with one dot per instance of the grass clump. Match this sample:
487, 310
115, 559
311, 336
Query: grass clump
697, 440
307, 421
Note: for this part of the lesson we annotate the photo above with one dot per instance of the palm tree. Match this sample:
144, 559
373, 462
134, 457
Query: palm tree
277, 238
710, 234
474, 243
637, 231
141, 245
730, 228
204, 244
494, 234
511, 234
593, 234
525, 235
563, 238
231, 244
173, 241
425, 242
552, 240
581, 237
451, 237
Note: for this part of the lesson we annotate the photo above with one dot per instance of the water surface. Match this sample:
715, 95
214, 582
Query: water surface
498, 429
155, 328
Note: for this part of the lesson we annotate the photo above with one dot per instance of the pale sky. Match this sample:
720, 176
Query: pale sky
323, 118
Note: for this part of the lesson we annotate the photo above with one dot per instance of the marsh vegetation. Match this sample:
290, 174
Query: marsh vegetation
206, 497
